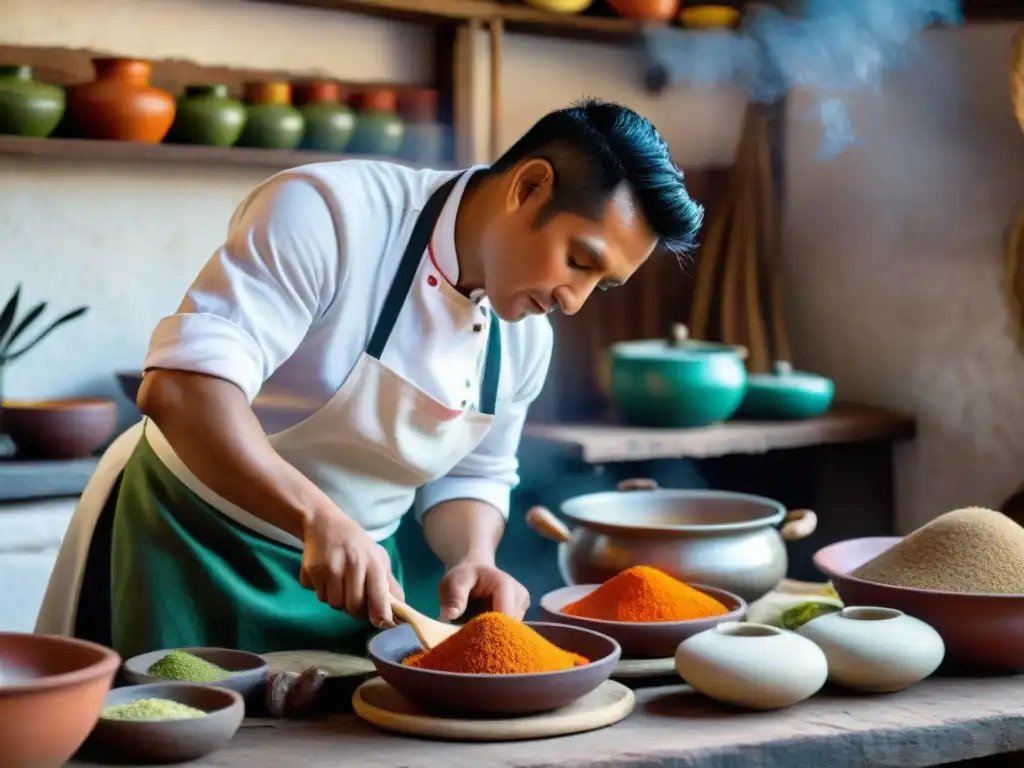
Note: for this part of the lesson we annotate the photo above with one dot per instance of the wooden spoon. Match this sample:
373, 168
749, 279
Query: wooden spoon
430, 632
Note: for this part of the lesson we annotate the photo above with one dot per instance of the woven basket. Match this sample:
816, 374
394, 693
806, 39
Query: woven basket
1017, 76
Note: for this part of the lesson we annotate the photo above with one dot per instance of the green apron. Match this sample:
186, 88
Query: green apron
166, 569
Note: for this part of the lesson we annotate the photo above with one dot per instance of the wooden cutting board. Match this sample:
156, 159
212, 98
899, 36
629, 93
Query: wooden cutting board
379, 704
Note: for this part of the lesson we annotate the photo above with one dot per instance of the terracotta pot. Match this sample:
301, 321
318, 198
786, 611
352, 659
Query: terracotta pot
646, 10
315, 92
59, 429
51, 696
418, 105
27, 107
120, 104
375, 100
273, 122
329, 124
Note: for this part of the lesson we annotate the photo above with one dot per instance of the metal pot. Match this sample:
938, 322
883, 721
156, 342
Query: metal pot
677, 382
722, 539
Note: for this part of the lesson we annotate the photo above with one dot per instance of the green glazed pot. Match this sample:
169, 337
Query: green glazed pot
272, 126
329, 126
785, 394
207, 115
377, 132
677, 383
28, 108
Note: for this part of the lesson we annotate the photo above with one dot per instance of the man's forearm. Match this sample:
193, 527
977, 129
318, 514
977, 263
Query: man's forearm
463, 529
213, 430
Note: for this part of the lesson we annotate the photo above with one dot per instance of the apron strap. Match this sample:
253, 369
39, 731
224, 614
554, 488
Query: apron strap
492, 368
422, 231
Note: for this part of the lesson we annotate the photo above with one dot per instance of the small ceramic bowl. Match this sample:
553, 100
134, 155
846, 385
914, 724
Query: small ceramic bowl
875, 650
981, 632
653, 639
457, 693
171, 741
248, 670
752, 665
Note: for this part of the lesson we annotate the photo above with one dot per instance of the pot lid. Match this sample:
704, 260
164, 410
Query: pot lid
680, 347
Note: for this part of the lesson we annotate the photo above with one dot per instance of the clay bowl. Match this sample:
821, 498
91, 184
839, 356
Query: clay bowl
982, 632
59, 429
248, 670
654, 639
457, 693
171, 741
51, 692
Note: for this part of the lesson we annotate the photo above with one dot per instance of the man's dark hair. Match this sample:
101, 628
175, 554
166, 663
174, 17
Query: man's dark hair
593, 147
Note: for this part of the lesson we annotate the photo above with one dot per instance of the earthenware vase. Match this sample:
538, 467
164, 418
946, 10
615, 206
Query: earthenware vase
329, 123
28, 107
645, 10
752, 665
273, 122
207, 115
120, 104
875, 650
379, 131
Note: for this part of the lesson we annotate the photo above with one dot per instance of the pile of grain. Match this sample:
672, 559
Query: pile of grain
967, 550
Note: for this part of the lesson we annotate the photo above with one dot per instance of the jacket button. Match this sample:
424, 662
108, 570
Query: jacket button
477, 327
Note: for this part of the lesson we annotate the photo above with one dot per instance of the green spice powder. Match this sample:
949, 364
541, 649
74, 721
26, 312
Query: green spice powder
151, 709
186, 668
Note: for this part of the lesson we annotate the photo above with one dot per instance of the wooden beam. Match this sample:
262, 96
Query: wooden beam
497, 31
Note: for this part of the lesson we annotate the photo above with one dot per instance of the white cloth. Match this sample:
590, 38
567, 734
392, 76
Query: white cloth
285, 308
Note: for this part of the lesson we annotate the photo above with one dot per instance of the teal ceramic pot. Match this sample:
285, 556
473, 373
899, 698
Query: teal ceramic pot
27, 107
785, 394
676, 383
377, 133
329, 123
207, 115
425, 143
272, 122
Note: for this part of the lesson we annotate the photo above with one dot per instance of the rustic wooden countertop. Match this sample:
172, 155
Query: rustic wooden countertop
845, 423
937, 722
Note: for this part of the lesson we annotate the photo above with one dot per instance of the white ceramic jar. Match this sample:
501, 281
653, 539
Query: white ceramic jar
876, 650
752, 665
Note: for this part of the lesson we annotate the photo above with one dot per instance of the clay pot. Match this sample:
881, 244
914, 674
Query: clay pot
28, 108
418, 105
59, 429
120, 104
645, 10
425, 143
379, 131
51, 696
207, 115
329, 123
273, 122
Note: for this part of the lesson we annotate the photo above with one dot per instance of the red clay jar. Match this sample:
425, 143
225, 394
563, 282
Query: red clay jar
418, 105
120, 104
646, 10
374, 100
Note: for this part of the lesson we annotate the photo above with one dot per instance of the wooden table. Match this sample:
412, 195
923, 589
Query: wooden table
937, 722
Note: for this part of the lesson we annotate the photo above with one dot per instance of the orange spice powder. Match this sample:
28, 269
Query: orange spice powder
643, 593
495, 644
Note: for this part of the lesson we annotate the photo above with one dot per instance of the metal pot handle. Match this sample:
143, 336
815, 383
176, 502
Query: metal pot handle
543, 522
637, 484
798, 524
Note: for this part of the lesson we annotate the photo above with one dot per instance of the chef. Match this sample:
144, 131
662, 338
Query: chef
392, 322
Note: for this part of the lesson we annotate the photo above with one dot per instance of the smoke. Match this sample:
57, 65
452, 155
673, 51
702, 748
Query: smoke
836, 48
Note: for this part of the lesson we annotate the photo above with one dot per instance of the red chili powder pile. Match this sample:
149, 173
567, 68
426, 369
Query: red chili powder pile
495, 644
643, 593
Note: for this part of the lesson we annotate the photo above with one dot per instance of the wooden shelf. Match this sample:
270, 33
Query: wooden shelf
845, 423
134, 152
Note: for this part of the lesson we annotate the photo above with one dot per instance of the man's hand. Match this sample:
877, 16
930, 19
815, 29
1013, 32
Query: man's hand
481, 580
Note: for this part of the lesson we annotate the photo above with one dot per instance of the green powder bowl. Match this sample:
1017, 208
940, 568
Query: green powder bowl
214, 716
239, 671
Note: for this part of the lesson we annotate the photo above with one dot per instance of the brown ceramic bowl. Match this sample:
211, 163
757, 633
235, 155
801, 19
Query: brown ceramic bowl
59, 429
248, 670
51, 692
982, 632
457, 693
170, 741
654, 639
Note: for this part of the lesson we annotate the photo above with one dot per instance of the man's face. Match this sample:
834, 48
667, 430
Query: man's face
531, 269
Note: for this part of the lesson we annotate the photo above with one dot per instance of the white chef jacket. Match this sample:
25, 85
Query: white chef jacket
286, 305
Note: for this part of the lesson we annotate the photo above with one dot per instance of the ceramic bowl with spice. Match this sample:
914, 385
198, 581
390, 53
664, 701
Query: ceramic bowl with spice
577, 661
972, 559
167, 722
239, 671
642, 610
